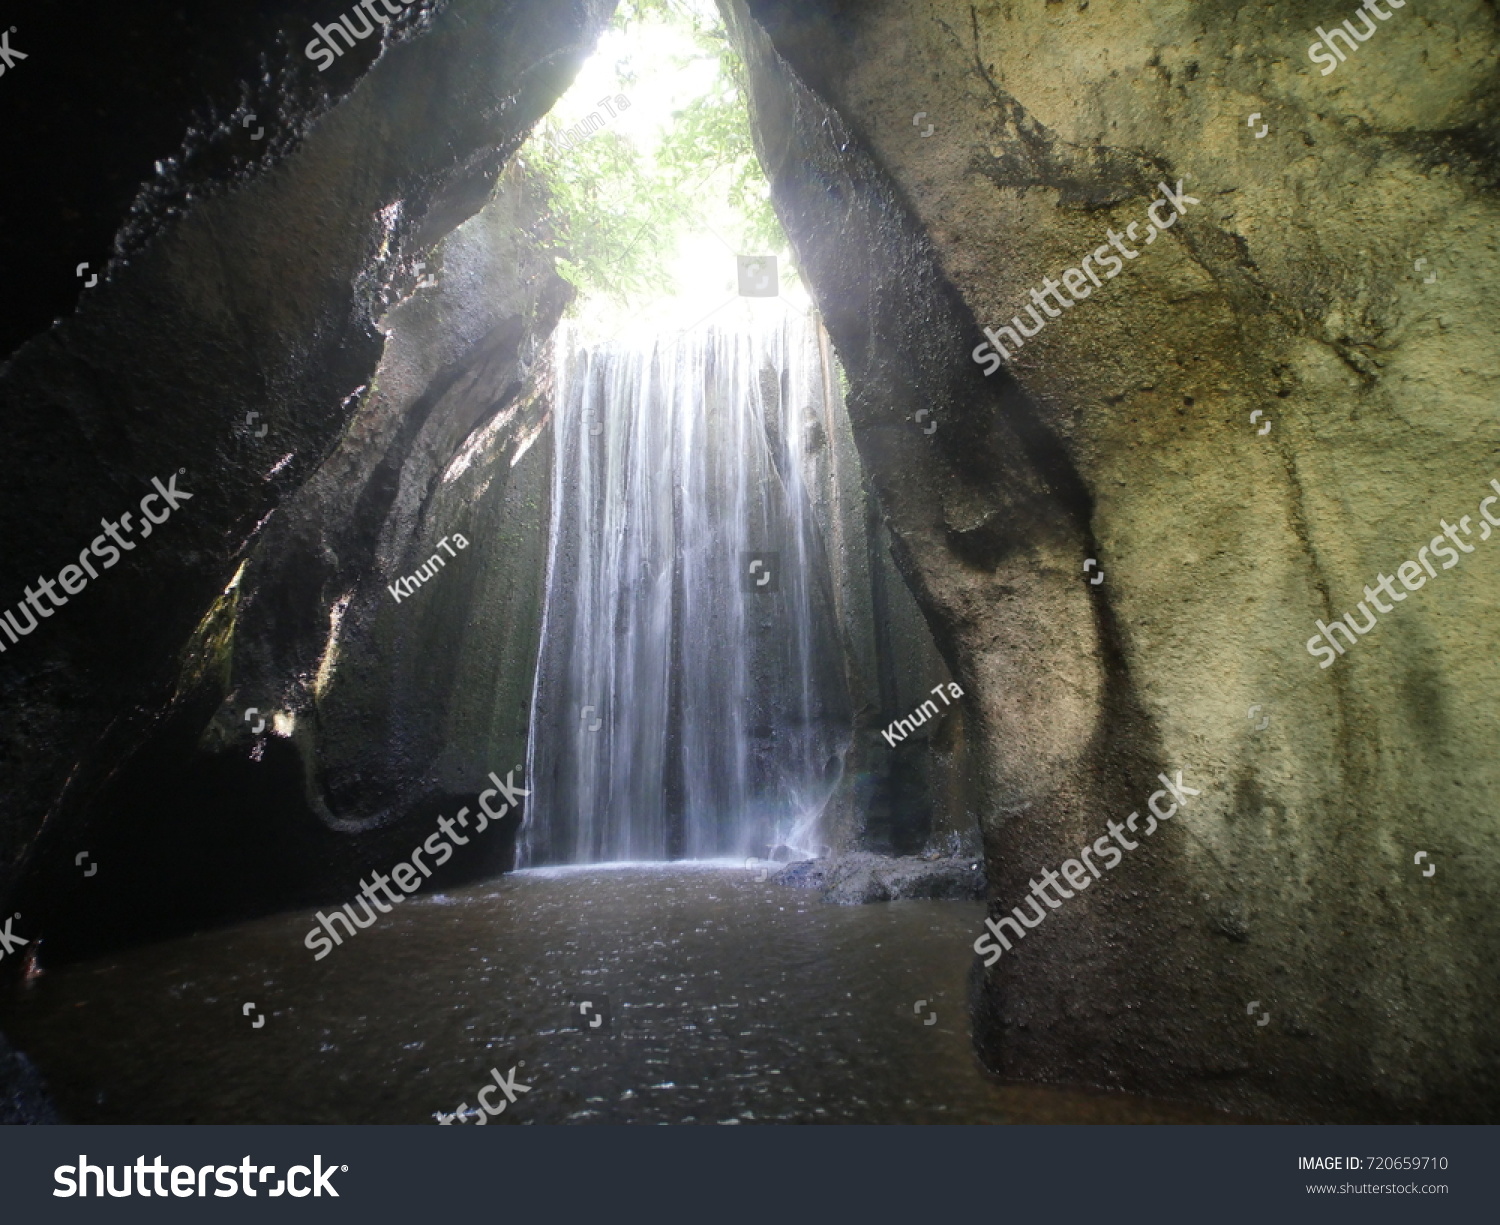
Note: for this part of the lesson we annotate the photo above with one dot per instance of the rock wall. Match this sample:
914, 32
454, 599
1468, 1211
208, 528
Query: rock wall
121, 119
234, 344
894, 798
297, 320
260, 332
401, 692
1121, 433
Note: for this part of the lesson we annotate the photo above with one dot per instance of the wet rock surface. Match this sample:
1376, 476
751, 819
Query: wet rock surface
23, 1095
1123, 533
239, 349
861, 876
259, 329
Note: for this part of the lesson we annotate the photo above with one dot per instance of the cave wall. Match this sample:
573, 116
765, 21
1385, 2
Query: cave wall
120, 117
1123, 433
276, 285
901, 798
400, 693
231, 345
281, 316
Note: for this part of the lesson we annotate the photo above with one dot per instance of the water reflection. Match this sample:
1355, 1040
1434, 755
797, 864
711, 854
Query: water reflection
729, 1002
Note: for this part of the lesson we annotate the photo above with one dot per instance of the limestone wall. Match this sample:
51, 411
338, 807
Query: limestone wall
1122, 432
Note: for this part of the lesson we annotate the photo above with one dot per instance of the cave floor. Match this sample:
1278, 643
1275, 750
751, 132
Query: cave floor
723, 1000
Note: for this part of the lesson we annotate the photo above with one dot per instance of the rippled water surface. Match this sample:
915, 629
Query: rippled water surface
730, 1001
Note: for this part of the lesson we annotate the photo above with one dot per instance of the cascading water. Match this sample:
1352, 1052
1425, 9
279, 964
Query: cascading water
689, 703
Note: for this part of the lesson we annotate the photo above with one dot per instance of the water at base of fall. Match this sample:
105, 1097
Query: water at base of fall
724, 1001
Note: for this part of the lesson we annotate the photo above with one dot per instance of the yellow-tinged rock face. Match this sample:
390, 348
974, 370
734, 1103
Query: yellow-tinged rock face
1280, 395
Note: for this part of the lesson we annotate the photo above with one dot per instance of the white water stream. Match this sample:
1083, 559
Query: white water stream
689, 703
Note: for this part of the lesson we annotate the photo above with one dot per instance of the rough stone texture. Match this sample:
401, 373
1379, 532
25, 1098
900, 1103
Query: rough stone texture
261, 297
23, 1094
411, 701
120, 117
250, 280
861, 877
898, 798
1122, 433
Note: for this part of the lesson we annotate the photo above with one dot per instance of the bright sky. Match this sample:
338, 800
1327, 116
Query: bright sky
704, 271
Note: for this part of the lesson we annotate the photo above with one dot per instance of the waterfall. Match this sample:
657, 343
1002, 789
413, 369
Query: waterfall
690, 697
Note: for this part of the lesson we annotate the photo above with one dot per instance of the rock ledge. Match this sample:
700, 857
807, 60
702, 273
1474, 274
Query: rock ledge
861, 876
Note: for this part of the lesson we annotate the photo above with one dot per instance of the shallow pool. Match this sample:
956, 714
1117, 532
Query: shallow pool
717, 999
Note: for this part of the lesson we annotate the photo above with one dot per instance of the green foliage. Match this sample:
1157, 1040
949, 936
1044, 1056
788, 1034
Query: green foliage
619, 205
610, 227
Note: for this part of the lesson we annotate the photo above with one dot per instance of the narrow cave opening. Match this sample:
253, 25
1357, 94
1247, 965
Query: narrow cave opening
679, 710
581, 642
629, 599
710, 616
